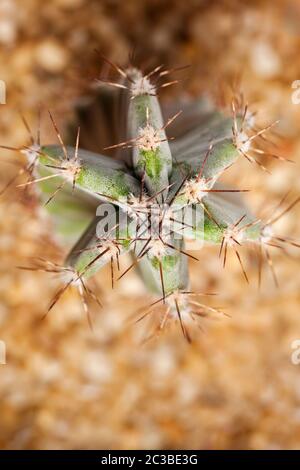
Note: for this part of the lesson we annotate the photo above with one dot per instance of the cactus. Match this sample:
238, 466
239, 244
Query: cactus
167, 194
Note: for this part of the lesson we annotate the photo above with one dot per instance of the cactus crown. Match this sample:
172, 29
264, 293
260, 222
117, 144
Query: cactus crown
167, 194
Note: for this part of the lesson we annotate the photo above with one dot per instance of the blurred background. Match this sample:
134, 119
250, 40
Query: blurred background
235, 386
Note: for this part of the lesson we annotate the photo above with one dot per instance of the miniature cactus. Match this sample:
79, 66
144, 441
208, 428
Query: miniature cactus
168, 193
